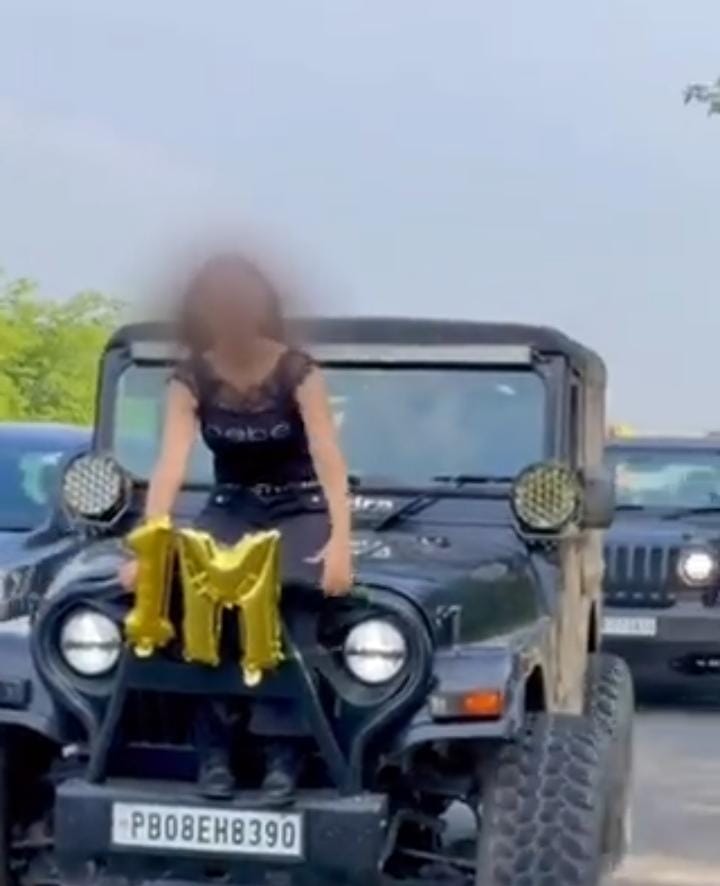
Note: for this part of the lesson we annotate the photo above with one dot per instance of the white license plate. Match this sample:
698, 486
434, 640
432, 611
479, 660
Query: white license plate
208, 830
619, 626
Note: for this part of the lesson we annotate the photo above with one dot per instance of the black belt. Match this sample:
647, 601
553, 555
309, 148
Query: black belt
265, 490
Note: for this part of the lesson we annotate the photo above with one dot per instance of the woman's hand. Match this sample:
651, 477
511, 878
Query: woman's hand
337, 571
314, 402
127, 574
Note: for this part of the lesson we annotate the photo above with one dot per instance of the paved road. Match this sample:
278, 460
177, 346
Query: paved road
676, 809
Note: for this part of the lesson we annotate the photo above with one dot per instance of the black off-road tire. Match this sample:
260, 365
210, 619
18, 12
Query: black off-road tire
610, 704
543, 807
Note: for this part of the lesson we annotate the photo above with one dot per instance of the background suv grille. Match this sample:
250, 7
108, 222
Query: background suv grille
641, 575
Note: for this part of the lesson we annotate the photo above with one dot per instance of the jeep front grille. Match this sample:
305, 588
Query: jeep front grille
159, 719
641, 575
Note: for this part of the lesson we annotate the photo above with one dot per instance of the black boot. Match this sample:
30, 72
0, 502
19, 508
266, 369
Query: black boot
215, 780
283, 762
214, 739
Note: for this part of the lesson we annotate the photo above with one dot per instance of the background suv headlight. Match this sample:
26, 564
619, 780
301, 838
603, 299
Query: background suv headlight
90, 642
697, 567
375, 651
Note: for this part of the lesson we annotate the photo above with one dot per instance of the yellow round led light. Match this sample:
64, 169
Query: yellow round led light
546, 497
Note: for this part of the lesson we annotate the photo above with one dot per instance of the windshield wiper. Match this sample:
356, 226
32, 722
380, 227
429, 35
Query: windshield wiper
407, 509
470, 479
629, 507
423, 500
698, 509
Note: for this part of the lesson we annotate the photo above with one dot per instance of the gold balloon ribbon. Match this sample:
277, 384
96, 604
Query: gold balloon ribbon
148, 626
213, 577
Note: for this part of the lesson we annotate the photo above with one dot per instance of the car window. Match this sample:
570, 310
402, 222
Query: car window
666, 478
27, 478
138, 424
402, 423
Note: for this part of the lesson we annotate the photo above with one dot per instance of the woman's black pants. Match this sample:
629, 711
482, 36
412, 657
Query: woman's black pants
302, 520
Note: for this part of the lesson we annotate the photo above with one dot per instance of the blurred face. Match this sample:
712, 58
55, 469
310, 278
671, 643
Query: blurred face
233, 307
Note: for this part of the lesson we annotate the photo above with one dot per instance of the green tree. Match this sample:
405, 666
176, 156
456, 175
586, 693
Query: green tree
49, 352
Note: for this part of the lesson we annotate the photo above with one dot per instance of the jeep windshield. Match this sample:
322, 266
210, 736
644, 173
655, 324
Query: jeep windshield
406, 425
670, 479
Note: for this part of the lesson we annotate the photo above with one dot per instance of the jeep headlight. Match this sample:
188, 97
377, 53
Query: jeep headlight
90, 642
546, 497
697, 566
375, 651
95, 487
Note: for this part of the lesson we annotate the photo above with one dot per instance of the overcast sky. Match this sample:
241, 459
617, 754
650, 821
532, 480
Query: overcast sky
520, 160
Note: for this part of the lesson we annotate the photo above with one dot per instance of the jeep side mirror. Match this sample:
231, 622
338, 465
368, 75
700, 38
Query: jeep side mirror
598, 509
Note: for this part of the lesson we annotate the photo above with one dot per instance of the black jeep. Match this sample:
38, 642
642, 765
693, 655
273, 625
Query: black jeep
463, 725
662, 584
34, 540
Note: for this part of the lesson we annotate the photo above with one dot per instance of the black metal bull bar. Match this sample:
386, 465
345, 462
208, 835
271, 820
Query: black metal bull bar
342, 741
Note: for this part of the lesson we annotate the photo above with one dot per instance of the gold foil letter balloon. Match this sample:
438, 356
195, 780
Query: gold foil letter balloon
148, 626
245, 576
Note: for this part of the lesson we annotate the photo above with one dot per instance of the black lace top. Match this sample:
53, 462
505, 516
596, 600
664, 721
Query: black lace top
256, 436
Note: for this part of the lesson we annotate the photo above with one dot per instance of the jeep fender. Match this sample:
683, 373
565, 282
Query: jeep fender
24, 700
471, 668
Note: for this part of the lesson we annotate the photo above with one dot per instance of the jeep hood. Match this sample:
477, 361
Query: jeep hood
485, 584
12, 546
21, 549
652, 530
481, 584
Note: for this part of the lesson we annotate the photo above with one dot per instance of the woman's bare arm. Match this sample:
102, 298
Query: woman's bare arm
328, 459
169, 471
178, 437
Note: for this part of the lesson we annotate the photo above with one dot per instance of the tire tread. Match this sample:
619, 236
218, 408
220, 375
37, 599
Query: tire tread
542, 822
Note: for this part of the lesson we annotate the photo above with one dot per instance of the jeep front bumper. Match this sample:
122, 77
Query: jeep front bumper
675, 648
343, 837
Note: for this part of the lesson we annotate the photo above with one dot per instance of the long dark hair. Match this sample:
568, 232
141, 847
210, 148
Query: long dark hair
192, 332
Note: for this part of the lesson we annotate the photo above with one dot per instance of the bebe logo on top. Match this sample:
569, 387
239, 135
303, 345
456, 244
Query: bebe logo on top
247, 433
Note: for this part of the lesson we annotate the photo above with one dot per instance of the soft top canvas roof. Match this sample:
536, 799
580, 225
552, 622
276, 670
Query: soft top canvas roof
411, 331
710, 443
